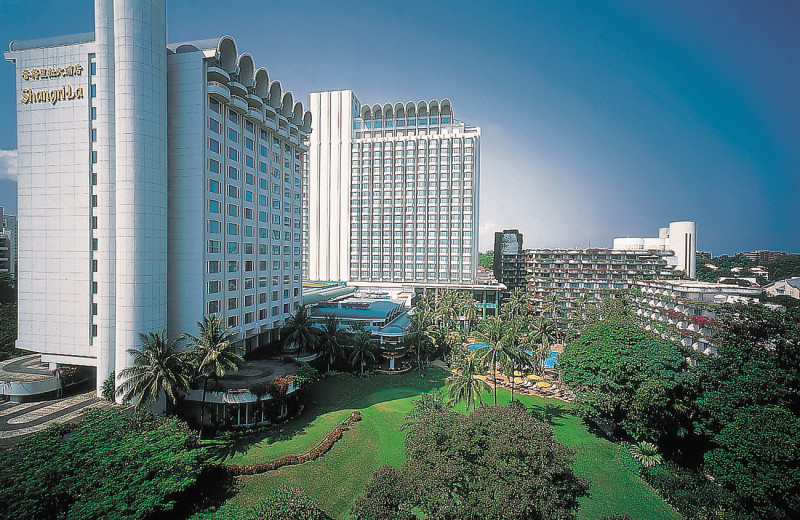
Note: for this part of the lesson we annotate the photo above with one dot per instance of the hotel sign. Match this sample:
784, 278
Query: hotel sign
51, 95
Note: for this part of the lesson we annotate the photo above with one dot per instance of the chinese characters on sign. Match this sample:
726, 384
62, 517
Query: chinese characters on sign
52, 72
51, 95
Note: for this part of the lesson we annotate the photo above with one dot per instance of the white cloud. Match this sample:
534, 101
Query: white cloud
8, 165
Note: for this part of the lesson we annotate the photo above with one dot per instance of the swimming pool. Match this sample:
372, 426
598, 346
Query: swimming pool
550, 361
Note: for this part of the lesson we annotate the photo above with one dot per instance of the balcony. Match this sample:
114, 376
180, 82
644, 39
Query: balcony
219, 91
256, 114
217, 73
254, 101
238, 104
237, 88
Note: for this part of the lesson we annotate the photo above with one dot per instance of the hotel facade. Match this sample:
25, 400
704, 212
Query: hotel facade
157, 184
391, 193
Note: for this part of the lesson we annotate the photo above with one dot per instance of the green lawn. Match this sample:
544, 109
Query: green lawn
339, 477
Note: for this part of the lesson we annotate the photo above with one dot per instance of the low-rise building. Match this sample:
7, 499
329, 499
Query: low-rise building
788, 287
679, 237
8, 243
686, 310
762, 255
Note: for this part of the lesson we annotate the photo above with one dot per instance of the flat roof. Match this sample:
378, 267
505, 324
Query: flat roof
54, 41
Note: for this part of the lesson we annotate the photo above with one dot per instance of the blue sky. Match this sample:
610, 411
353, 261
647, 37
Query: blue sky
599, 119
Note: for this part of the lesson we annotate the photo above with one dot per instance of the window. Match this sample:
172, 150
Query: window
213, 266
233, 248
233, 154
213, 186
213, 226
249, 143
94, 157
213, 246
213, 206
213, 307
233, 173
94, 135
233, 267
233, 303
233, 321
94, 113
233, 191
214, 166
214, 145
214, 286
233, 117
93, 90
214, 125
232, 229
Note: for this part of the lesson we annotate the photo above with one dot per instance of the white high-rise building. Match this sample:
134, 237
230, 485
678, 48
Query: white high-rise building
392, 192
157, 184
679, 237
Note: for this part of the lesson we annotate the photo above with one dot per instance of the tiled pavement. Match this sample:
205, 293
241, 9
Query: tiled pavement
17, 420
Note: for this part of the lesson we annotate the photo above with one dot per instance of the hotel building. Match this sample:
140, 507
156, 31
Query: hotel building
392, 192
680, 238
157, 184
572, 275
509, 259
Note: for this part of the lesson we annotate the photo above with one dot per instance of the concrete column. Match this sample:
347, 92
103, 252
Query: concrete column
105, 256
140, 81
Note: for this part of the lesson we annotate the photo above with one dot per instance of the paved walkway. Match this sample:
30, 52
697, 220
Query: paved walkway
18, 420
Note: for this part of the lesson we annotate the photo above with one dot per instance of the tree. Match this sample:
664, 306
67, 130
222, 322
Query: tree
646, 453
486, 259
758, 459
213, 354
8, 317
300, 331
463, 385
331, 340
387, 497
785, 266
421, 333
466, 308
493, 335
363, 350
516, 304
112, 464
635, 379
496, 462
288, 503
541, 334
424, 405
158, 366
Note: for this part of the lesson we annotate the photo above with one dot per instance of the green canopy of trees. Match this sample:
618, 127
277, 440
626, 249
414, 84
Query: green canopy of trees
112, 465
496, 462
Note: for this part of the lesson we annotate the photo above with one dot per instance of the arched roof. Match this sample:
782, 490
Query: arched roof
245, 65
433, 107
377, 113
275, 94
446, 108
297, 113
411, 109
366, 112
262, 83
399, 110
226, 53
306, 122
422, 109
287, 105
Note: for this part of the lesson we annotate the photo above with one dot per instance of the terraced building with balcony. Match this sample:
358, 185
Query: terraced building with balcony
572, 277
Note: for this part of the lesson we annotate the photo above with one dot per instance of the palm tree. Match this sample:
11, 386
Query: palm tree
467, 308
157, 367
493, 334
300, 331
331, 339
213, 354
422, 333
541, 336
362, 349
516, 304
462, 385
515, 350
646, 453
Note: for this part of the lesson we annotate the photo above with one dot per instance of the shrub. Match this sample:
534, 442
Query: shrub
288, 503
109, 386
